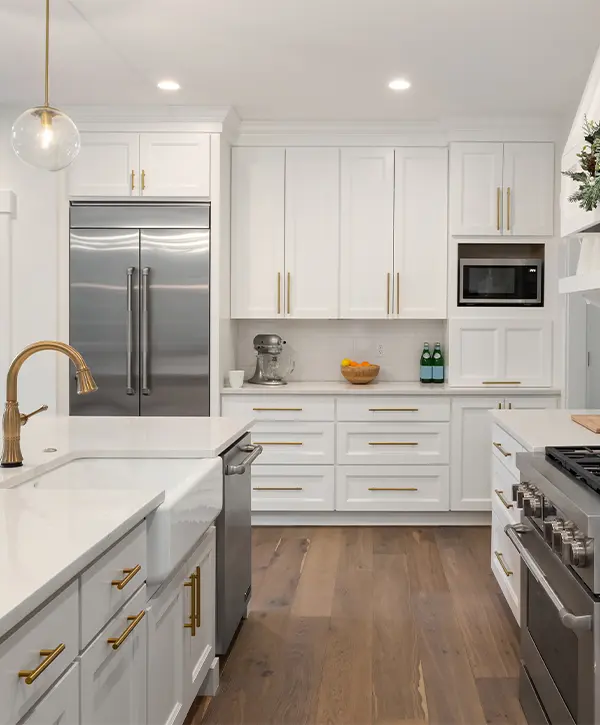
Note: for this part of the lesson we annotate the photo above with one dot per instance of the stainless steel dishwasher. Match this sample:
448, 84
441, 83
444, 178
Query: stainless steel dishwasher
234, 541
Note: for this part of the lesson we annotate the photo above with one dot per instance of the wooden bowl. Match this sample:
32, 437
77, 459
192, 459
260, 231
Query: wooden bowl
360, 375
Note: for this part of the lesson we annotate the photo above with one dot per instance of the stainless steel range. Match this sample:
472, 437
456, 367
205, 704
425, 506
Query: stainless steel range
560, 585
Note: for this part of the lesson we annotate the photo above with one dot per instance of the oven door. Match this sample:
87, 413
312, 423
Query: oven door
558, 615
500, 282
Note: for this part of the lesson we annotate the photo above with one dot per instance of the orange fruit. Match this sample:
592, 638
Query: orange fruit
365, 364
353, 364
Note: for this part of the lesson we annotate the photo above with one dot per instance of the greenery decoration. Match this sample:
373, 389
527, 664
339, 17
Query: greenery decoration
588, 178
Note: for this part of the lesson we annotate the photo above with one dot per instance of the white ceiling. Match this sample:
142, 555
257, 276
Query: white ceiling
307, 59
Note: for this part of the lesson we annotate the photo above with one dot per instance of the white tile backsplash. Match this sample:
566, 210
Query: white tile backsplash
318, 346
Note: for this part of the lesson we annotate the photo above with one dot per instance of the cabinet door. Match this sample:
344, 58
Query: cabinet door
107, 165
257, 232
474, 352
199, 644
113, 681
476, 189
529, 189
526, 352
367, 232
60, 706
421, 233
531, 402
312, 231
175, 164
471, 456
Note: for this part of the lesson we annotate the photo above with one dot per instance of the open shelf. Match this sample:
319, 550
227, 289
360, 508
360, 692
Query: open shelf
587, 285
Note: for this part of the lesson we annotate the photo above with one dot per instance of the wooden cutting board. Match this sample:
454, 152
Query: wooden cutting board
591, 422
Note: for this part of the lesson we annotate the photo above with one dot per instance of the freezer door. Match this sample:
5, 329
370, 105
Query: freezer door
104, 274
174, 322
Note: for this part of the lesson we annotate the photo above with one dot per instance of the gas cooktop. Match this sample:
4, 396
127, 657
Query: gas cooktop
582, 462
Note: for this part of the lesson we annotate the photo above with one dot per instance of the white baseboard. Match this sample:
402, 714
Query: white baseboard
341, 518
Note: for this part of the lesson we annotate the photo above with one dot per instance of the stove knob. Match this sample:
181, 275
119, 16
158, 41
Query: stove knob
549, 525
580, 551
523, 489
532, 505
549, 509
561, 535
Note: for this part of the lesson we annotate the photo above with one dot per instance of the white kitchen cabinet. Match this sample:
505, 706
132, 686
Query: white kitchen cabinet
420, 233
293, 488
367, 232
500, 351
505, 561
108, 165
312, 232
502, 189
60, 706
257, 232
531, 402
146, 164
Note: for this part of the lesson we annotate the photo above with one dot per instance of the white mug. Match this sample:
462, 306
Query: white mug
236, 378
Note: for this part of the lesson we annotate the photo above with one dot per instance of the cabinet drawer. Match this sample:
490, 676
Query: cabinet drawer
101, 596
52, 637
60, 706
293, 488
381, 408
295, 442
393, 488
393, 443
279, 407
112, 676
505, 449
506, 562
502, 491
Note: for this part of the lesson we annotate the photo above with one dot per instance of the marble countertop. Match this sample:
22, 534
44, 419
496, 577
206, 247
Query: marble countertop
341, 387
536, 429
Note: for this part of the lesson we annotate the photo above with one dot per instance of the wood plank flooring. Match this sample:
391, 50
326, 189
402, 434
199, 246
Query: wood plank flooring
371, 626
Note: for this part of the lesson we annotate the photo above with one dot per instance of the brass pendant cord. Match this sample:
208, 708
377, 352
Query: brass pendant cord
47, 59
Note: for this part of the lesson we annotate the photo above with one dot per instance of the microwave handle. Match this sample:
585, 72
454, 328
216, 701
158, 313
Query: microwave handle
569, 620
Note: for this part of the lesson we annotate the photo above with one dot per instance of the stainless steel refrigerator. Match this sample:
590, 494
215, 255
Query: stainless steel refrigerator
140, 306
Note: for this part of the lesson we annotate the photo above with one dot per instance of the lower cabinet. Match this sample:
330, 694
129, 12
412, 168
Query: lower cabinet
293, 488
60, 706
506, 563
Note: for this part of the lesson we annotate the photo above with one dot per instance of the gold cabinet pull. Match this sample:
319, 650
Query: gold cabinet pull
388, 293
409, 488
501, 382
289, 287
276, 409
508, 209
277, 488
506, 454
143, 180
498, 205
392, 443
397, 293
193, 593
500, 557
135, 620
122, 583
393, 410
50, 655
278, 443
132, 180
500, 495
198, 597
278, 293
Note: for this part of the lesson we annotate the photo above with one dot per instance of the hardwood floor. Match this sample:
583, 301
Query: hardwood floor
371, 626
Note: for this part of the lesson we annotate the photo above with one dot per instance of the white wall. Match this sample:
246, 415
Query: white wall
318, 346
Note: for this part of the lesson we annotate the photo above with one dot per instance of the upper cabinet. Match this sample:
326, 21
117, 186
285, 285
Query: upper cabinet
146, 164
502, 189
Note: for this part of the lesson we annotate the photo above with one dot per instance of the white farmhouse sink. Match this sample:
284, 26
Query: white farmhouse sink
193, 498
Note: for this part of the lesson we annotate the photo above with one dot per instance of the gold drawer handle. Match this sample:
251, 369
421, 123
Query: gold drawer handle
500, 557
276, 409
277, 488
198, 597
500, 495
50, 655
373, 488
122, 583
143, 180
193, 609
393, 410
501, 382
392, 443
135, 620
506, 454
277, 443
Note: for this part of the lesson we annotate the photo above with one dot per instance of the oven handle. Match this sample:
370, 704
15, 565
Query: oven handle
569, 620
254, 452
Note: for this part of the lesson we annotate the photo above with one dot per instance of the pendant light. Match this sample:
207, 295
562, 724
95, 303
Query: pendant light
44, 136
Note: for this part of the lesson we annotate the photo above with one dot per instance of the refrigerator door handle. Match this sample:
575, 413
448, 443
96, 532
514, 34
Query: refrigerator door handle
145, 331
130, 388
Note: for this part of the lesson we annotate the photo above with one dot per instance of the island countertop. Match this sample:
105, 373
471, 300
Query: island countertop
536, 429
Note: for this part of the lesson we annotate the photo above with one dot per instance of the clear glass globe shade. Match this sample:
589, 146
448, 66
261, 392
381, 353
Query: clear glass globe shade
46, 138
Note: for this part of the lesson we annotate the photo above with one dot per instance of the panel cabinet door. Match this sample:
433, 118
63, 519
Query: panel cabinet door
526, 352
312, 232
257, 232
421, 233
529, 189
60, 706
531, 402
367, 232
471, 453
474, 352
107, 165
476, 189
175, 164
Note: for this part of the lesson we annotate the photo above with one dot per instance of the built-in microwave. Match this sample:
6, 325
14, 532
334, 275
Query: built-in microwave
501, 282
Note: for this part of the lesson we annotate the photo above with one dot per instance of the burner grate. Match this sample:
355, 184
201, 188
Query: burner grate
582, 462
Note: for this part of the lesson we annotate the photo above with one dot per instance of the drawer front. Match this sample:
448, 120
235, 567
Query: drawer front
393, 488
295, 442
117, 677
60, 706
393, 443
506, 563
101, 595
502, 491
505, 448
279, 407
293, 488
381, 408
53, 630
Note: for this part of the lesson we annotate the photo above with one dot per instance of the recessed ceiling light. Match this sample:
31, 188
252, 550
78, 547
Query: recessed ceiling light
169, 85
399, 84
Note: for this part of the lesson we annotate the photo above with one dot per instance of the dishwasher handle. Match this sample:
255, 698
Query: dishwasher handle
254, 452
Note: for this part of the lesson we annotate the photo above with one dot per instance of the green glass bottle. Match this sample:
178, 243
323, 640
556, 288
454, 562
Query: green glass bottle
437, 363
426, 374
